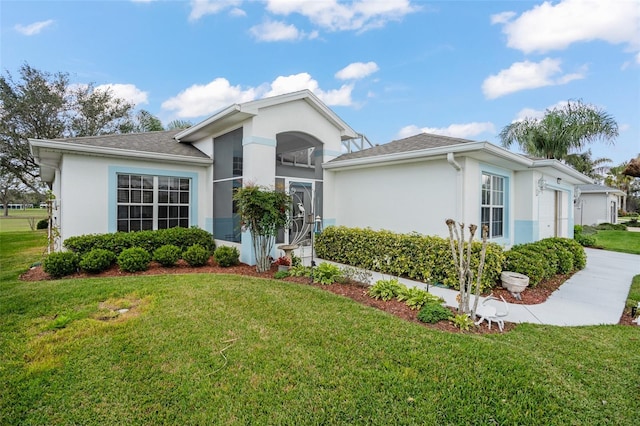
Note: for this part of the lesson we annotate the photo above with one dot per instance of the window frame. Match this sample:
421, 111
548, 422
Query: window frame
497, 201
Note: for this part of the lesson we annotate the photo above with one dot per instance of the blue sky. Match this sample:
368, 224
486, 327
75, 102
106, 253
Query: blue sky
389, 68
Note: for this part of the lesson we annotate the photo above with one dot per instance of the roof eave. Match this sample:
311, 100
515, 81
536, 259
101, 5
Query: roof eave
38, 144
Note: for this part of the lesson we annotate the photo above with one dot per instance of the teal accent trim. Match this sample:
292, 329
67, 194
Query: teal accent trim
506, 220
248, 140
208, 225
112, 204
246, 249
526, 231
571, 224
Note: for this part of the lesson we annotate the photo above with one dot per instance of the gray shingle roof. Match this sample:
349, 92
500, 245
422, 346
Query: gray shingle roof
156, 142
412, 143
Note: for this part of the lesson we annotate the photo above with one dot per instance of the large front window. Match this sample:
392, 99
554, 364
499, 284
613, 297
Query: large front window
152, 202
493, 204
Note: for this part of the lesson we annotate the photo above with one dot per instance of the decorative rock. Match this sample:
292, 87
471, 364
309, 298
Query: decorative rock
123, 311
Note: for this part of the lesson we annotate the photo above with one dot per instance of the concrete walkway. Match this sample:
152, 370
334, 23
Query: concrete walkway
595, 295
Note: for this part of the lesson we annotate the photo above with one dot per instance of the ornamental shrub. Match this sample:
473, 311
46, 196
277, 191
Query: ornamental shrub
226, 256
415, 256
585, 240
97, 260
134, 259
167, 255
386, 289
579, 255
60, 264
416, 298
529, 263
42, 224
432, 313
326, 273
149, 240
196, 255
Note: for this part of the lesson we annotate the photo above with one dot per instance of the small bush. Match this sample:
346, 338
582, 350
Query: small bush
386, 289
60, 264
280, 275
226, 256
196, 255
97, 260
416, 298
463, 322
611, 227
134, 259
42, 224
326, 273
527, 263
432, 313
300, 271
167, 255
585, 240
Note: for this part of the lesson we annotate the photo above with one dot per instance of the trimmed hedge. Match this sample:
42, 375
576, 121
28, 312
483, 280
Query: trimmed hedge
226, 256
196, 255
148, 240
60, 264
134, 259
545, 258
97, 260
419, 257
167, 255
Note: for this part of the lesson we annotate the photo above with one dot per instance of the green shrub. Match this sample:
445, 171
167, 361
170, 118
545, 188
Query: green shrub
416, 298
585, 240
611, 227
577, 229
386, 289
42, 224
149, 240
134, 259
574, 247
167, 255
432, 313
226, 256
418, 257
280, 275
60, 264
299, 271
463, 322
326, 273
196, 255
527, 263
97, 260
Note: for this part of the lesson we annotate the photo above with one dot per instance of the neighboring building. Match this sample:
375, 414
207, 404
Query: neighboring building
595, 204
296, 143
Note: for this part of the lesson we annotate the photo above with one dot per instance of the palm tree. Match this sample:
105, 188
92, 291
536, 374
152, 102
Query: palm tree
617, 179
582, 162
560, 130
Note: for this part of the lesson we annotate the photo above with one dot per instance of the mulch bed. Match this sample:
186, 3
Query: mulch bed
354, 290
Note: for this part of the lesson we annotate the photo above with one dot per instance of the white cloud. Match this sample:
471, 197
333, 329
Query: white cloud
128, 92
334, 16
465, 130
357, 70
533, 114
550, 26
33, 29
237, 12
275, 31
301, 81
199, 100
200, 8
502, 18
527, 75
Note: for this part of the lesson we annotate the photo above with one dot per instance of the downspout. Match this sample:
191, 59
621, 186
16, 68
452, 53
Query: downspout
459, 185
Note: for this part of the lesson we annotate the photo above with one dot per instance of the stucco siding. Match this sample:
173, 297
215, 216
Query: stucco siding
402, 198
88, 197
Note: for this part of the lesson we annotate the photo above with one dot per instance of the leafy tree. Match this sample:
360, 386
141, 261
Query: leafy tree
179, 124
46, 106
97, 112
560, 130
617, 179
143, 121
582, 162
263, 212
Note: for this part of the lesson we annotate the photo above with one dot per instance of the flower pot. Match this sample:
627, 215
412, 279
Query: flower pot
514, 282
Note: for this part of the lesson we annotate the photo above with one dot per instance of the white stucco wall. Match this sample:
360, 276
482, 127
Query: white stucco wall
593, 209
402, 198
86, 192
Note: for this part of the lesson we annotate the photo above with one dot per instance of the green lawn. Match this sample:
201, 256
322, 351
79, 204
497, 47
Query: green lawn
18, 220
203, 349
622, 241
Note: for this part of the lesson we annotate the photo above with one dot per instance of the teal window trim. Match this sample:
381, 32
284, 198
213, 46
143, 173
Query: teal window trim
112, 204
505, 239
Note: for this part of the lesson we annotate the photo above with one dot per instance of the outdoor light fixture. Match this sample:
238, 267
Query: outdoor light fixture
559, 180
542, 185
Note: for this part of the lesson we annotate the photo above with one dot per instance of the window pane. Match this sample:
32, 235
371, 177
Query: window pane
174, 183
123, 195
147, 225
163, 182
163, 211
163, 197
184, 211
184, 184
184, 198
173, 223
184, 223
147, 197
147, 182
162, 224
136, 196
173, 197
123, 181
136, 181
135, 225
123, 212
123, 225
147, 212
173, 211
135, 212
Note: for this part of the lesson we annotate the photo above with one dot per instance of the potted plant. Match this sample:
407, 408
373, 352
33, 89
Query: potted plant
283, 263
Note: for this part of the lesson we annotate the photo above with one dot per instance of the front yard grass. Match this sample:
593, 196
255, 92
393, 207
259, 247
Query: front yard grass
224, 349
621, 241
